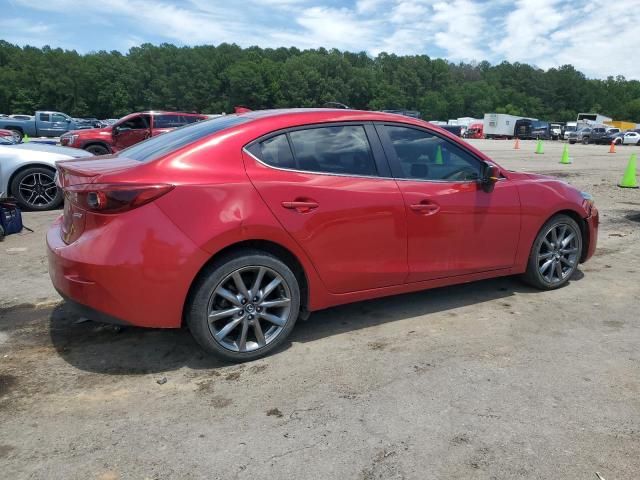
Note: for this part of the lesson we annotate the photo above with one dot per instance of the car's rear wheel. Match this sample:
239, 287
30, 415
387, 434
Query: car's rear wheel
244, 306
585, 141
98, 149
35, 189
555, 253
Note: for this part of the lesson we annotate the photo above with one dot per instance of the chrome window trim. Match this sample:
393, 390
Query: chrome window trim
377, 177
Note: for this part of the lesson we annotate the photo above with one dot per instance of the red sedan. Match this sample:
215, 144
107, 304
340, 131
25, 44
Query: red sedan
239, 225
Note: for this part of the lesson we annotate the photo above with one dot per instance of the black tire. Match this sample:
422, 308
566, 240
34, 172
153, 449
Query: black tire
47, 198
533, 276
571, 142
98, 149
17, 135
585, 141
215, 275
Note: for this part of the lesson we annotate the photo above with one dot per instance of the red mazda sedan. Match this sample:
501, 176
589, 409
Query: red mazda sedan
239, 225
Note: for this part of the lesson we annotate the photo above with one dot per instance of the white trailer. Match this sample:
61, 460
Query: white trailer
500, 125
593, 118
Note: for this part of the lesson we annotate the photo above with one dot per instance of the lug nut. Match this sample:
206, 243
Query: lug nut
255, 299
243, 301
259, 309
250, 317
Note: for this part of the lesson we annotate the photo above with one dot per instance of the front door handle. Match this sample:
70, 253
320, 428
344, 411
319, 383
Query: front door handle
301, 206
425, 207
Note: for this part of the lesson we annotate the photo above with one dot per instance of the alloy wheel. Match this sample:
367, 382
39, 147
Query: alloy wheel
38, 189
249, 308
557, 256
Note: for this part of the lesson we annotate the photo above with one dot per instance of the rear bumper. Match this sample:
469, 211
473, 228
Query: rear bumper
135, 269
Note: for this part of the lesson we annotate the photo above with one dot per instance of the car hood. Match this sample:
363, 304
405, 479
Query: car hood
62, 152
92, 132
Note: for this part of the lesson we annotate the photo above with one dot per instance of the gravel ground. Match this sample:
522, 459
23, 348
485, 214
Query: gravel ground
490, 380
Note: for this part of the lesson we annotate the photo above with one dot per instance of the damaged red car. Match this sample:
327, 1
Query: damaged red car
237, 226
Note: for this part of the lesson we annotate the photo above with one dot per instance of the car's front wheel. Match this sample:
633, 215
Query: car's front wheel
35, 188
98, 149
555, 253
244, 306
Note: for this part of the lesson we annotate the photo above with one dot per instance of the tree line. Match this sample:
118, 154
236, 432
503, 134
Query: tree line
214, 79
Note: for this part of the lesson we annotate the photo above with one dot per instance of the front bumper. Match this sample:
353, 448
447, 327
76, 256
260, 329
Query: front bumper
593, 223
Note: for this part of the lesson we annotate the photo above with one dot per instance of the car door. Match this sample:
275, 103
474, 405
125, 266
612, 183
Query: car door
59, 124
326, 185
454, 227
131, 131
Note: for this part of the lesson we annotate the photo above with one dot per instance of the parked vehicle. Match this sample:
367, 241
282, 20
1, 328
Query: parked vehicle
568, 128
586, 135
593, 118
240, 224
84, 123
556, 130
629, 138
44, 124
613, 137
7, 135
127, 131
532, 129
500, 125
454, 129
475, 130
27, 173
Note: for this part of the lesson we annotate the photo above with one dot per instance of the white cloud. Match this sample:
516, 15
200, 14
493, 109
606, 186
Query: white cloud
547, 33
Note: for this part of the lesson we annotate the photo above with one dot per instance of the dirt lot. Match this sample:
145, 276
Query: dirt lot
490, 380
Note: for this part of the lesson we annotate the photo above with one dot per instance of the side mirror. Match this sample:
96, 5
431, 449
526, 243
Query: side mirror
114, 130
490, 176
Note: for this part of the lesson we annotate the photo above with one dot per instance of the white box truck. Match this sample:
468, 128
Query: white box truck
500, 125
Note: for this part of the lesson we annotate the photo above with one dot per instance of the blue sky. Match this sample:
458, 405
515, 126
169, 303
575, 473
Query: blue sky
598, 38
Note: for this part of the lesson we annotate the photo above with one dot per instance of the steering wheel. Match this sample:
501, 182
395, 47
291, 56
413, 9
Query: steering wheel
462, 173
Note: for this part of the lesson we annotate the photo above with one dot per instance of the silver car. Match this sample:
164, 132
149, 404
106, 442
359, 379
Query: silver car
27, 173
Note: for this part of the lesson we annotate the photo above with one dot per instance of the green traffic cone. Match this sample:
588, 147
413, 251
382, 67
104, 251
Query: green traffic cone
439, 156
629, 177
539, 147
565, 156
25, 138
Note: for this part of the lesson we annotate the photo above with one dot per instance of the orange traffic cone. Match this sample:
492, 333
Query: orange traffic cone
517, 144
612, 147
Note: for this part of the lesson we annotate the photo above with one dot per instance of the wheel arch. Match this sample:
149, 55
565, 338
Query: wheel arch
582, 223
17, 128
91, 143
267, 246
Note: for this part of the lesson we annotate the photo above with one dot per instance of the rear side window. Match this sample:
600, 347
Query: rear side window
173, 120
342, 150
44, 117
161, 145
277, 152
422, 155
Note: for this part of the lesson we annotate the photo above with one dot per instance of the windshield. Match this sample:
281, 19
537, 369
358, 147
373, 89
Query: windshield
570, 128
159, 146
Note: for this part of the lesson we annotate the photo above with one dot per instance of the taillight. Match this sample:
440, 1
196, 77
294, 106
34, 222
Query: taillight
113, 198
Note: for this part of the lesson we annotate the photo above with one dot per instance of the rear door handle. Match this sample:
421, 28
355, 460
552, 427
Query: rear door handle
300, 206
425, 207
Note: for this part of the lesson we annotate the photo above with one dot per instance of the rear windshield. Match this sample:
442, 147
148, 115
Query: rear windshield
165, 143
